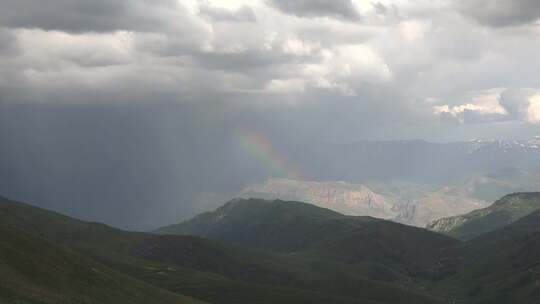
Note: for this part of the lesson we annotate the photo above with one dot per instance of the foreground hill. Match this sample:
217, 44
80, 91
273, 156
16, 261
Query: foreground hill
217, 272
268, 252
33, 270
503, 212
497, 267
502, 266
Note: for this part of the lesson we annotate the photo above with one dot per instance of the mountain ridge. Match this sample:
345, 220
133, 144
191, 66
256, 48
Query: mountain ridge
210, 270
268, 225
504, 211
406, 203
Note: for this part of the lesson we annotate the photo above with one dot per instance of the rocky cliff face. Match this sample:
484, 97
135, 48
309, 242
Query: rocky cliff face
346, 198
417, 209
436, 205
503, 212
446, 224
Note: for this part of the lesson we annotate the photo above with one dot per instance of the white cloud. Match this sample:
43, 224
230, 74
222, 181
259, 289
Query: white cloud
533, 113
495, 105
298, 47
286, 86
90, 50
398, 58
479, 107
414, 30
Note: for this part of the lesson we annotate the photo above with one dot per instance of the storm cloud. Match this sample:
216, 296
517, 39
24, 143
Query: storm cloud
242, 14
85, 16
318, 8
8, 42
156, 96
502, 13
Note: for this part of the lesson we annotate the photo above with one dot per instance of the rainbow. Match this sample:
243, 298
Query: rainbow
260, 147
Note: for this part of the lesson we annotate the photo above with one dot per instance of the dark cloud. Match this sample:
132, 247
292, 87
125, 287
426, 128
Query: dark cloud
250, 60
516, 103
501, 13
380, 8
130, 127
447, 117
318, 8
8, 42
243, 14
476, 117
85, 16
133, 165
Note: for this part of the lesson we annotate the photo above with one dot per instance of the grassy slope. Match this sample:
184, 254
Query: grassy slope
271, 225
298, 271
292, 227
502, 266
33, 270
503, 212
209, 270
498, 267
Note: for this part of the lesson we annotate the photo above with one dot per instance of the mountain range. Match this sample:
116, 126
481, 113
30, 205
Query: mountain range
418, 161
265, 251
407, 173
209, 270
407, 203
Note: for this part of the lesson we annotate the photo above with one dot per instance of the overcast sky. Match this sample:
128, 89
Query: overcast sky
153, 101
432, 68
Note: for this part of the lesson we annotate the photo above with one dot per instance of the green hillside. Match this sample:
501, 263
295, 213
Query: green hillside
273, 225
212, 271
33, 270
294, 227
266, 252
505, 211
499, 267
